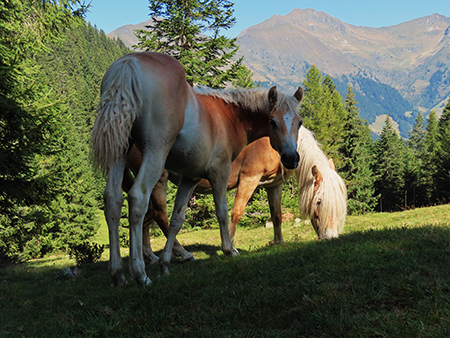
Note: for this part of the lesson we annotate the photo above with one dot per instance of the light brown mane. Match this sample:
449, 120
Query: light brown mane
254, 99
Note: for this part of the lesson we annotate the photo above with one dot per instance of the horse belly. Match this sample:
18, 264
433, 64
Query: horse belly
189, 156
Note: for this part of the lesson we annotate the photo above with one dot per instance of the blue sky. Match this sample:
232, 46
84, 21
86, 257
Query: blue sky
111, 14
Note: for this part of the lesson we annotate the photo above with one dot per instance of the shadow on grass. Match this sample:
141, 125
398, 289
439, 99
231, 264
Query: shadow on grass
384, 283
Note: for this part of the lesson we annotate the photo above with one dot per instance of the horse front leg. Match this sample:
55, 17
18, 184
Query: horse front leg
184, 192
113, 198
274, 196
219, 187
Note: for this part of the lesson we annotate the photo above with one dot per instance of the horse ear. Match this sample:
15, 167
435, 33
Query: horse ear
299, 94
317, 177
273, 96
331, 163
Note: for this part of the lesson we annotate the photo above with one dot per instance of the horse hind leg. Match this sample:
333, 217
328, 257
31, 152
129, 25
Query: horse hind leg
245, 189
138, 200
184, 192
113, 207
158, 201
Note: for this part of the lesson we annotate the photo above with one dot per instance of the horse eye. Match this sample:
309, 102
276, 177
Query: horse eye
319, 201
300, 124
273, 123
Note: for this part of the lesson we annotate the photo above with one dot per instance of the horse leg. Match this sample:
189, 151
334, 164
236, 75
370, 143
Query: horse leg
219, 187
158, 200
138, 201
127, 183
274, 196
113, 198
245, 189
184, 193
146, 246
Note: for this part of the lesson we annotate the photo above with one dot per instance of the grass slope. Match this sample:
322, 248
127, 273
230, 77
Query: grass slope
386, 276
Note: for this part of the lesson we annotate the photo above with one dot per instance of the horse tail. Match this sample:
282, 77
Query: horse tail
120, 105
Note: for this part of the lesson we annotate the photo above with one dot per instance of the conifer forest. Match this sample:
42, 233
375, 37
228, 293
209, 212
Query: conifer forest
51, 65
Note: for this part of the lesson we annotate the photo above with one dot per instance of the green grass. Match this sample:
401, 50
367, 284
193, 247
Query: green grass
386, 276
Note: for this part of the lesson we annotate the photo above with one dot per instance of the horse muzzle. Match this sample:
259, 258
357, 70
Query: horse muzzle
290, 161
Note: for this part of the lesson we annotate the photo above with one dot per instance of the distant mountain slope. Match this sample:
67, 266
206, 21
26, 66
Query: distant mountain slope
396, 71
126, 33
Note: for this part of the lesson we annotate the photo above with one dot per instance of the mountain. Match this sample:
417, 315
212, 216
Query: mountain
397, 70
126, 33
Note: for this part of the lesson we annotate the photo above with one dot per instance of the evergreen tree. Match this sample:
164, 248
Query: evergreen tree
190, 30
357, 151
413, 163
430, 159
47, 184
311, 103
335, 118
323, 111
389, 168
443, 174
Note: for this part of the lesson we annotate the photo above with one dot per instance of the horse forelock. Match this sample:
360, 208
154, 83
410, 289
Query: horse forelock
332, 190
253, 99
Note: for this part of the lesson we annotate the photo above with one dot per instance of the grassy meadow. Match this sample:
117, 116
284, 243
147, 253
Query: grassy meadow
387, 275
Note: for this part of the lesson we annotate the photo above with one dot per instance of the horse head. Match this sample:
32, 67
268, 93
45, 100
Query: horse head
285, 122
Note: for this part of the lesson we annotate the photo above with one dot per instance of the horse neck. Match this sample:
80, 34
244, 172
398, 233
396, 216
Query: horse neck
255, 123
248, 106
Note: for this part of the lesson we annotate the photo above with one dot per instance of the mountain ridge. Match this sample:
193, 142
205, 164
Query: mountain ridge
397, 70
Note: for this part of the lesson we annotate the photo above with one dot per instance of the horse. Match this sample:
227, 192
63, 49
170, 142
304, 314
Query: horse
322, 192
146, 101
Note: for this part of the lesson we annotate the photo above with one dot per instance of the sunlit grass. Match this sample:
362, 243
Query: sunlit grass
386, 276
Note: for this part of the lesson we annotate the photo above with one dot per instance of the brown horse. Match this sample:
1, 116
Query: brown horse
323, 195
146, 101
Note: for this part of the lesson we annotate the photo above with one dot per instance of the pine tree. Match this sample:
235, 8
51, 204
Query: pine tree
443, 174
389, 168
414, 153
323, 111
47, 197
190, 30
430, 159
356, 149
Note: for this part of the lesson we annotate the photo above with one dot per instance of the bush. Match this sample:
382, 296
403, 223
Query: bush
86, 252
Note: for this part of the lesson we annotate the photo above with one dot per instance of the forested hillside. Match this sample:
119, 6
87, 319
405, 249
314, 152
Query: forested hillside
50, 85
50, 80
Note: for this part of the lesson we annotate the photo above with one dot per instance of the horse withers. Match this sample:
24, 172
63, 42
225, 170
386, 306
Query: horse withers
146, 101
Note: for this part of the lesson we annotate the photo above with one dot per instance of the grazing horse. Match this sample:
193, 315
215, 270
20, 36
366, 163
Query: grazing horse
322, 192
146, 101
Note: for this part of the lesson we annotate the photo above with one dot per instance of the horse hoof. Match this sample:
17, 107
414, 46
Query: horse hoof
153, 260
147, 281
233, 252
164, 270
118, 280
187, 259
